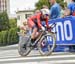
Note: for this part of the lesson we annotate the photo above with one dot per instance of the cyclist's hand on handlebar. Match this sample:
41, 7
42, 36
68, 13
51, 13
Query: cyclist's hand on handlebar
49, 28
43, 28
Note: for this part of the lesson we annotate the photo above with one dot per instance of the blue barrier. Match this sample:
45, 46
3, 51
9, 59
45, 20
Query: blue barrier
65, 28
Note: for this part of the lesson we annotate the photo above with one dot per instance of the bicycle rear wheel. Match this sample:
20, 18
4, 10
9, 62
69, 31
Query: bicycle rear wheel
23, 46
47, 44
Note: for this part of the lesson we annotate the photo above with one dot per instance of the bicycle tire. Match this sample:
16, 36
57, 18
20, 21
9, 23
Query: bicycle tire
50, 49
22, 51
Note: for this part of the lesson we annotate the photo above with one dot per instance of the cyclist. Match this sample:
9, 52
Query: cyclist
35, 22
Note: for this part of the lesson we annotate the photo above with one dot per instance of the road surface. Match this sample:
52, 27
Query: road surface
9, 55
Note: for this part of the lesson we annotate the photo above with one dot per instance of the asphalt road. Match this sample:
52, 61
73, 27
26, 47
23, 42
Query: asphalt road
9, 55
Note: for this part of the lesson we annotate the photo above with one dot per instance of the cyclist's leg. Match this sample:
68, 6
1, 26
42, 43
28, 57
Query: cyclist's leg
31, 24
34, 35
36, 32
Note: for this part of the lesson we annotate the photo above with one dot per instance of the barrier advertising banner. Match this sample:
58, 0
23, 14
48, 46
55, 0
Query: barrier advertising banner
65, 28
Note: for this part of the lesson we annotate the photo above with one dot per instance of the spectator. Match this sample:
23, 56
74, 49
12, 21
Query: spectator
71, 8
24, 28
63, 10
66, 12
55, 9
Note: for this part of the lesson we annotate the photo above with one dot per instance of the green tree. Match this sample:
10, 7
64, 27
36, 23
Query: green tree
4, 37
40, 3
4, 21
12, 36
13, 23
62, 3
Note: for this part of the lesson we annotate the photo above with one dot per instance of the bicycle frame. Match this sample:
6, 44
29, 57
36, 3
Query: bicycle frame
38, 38
44, 32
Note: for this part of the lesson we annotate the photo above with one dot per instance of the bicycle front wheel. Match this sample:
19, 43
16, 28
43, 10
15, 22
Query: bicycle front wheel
47, 44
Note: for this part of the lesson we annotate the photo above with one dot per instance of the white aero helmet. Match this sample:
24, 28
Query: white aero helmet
45, 11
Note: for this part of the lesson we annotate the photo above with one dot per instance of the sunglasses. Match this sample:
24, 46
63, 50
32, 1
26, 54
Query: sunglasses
46, 14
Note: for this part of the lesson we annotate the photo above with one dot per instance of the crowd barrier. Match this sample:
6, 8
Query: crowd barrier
65, 29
